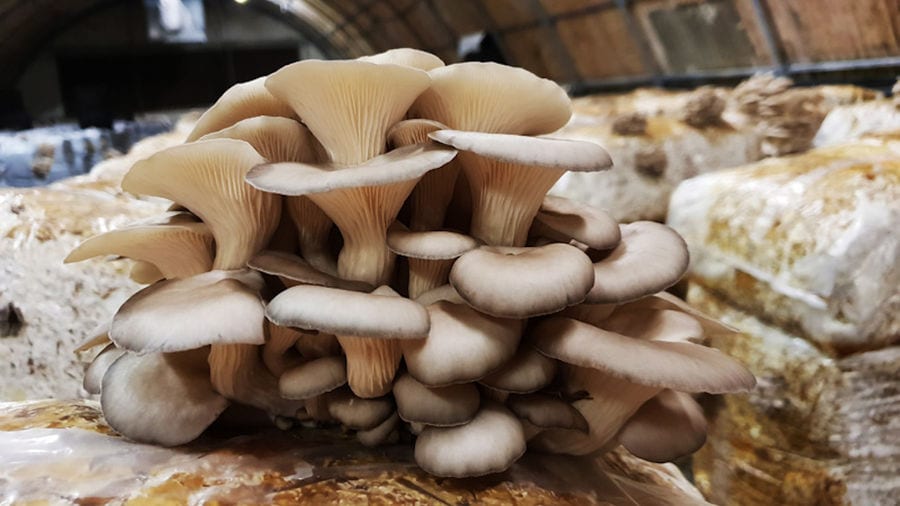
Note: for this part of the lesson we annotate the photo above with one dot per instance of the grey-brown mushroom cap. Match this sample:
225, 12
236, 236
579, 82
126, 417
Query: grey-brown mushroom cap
681, 366
529, 371
347, 313
216, 307
401, 164
664, 300
381, 433
654, 324
537, 281
93, 374
546, 411
666, 427
440, 406
313, 378
572, 155
490, 443
650, 258
358, 413
295, 268
463, 345
590, 226
441, 293
428, 245
160, 398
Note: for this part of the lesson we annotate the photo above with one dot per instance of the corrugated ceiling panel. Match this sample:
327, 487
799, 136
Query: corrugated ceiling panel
601, 46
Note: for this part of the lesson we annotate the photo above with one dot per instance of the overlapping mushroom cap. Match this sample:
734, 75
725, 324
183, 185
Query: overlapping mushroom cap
452, 299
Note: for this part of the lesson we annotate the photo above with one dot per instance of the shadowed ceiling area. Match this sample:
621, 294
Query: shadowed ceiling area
588, 45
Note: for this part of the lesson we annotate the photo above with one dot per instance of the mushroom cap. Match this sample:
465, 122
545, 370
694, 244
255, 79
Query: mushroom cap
593, 314
358, 413
543, 279
381, 433
442, 293
406, 56
650, 257
177, 251
313, 378
144, 273
568, 219
216, 307
490, 443
277, 139
294, 268
440, 406
412, 131
489, 97
664, 300
547, 412
160, 398
681, 366
96, 337
654, 324
666, 427
347, 313
93, 374
528, 371
401, 164
348, 105
463, 345
566, 154
428, 245
243, 100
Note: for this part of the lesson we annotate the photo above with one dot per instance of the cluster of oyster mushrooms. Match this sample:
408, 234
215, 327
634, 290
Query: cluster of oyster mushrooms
369, 243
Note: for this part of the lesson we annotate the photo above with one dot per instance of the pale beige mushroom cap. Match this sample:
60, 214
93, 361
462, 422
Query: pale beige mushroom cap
276, 139
313, 378
666, 427
241, 101
408, 57
440, 406
564, 219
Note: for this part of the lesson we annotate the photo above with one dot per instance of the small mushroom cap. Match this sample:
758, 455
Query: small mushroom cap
654, 324
490, 443
277, 139
217, 307
568, 219
406, 56
381, 433
651, 257
241, 101
313, 378
401, 164
98, 336
566, 154
93, 375
144, 273
546, 411
489, 97
681, 366
463, 345
529, 371
543, 279
294, 268
160, 398
412, 131
442, 293
346, 313
430, 245
358, 413
666, 427
441, 406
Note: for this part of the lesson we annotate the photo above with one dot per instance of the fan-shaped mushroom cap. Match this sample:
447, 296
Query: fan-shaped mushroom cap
490, 443
241, 101
543, 279
357, 413
327, 95
606, 402
682, 366
277, 139
528, 371
489, 97
380, 314
144, 273
654, 324
409, 57
93, 374
294, 270
182, 314
441, 406
666, 427
546, 411
161, 398
463, 345
664, 300
208, 178
384, 432
313, 378
650, 257
177, 251
563, 219
509, 175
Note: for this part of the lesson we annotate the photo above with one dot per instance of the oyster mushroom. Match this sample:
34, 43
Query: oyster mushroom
431, 255
528, 371
241, 101
439, 406
313, 378
666, 427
